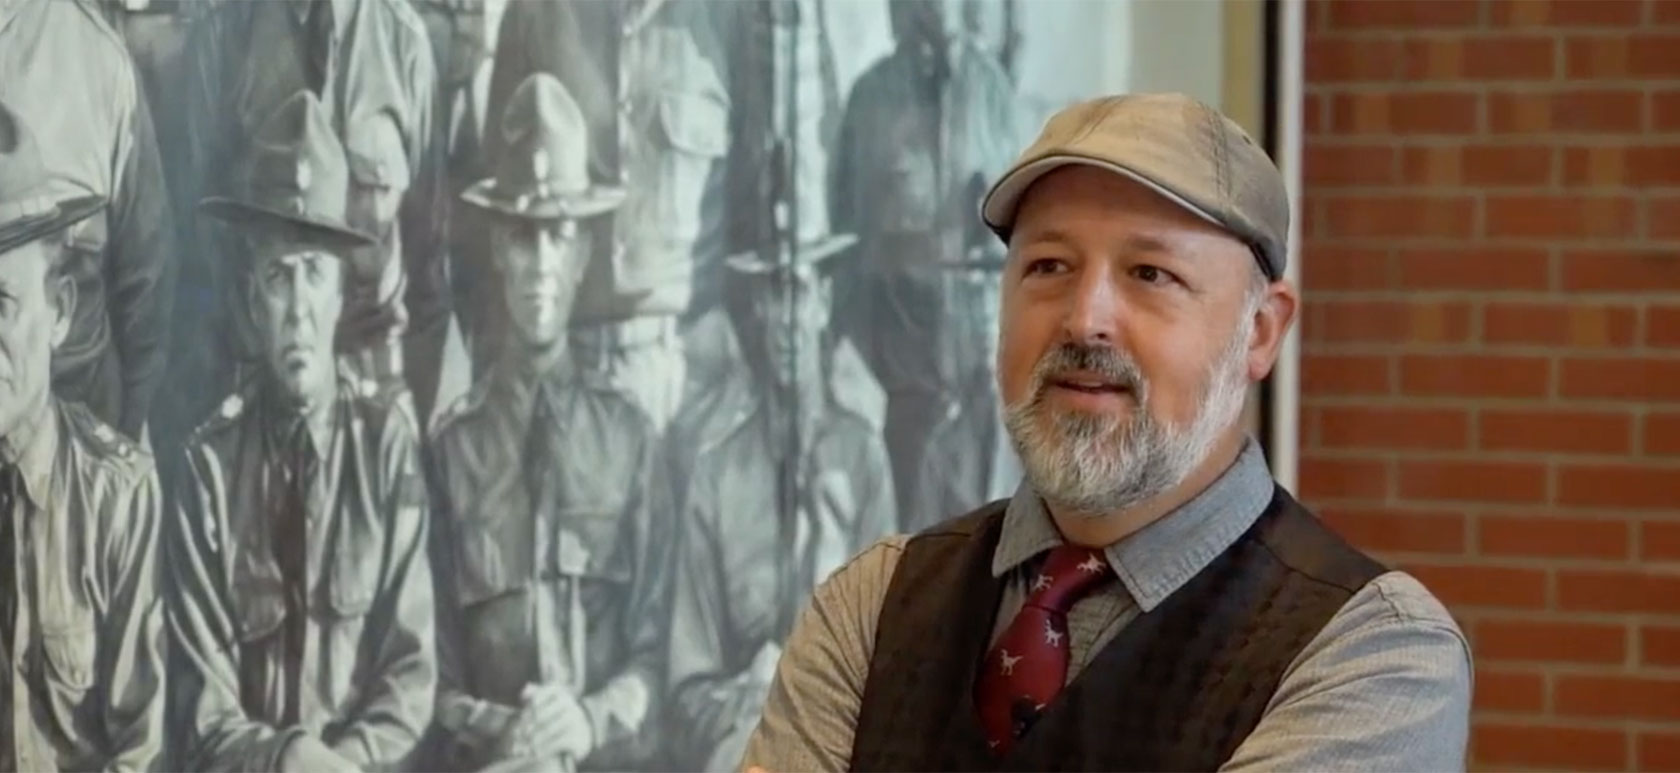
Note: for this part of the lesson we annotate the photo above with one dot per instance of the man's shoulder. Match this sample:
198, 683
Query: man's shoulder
222, 427
111, 460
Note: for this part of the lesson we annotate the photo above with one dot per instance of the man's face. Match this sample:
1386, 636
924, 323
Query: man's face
795, 301
541, 265
34, 318
1130, 330
296, 300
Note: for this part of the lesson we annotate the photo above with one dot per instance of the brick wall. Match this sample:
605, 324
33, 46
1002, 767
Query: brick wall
1491, 382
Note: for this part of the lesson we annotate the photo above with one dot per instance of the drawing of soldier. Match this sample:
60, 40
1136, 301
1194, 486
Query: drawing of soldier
65, 71
360, 58
919, 125
795, 486
81, 626
302, 590
554, 547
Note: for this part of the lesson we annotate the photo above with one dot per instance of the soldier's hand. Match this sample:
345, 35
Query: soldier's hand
306, 754
561, 723
520, 739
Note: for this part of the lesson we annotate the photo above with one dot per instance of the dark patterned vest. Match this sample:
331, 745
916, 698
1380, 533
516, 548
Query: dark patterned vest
1177, 689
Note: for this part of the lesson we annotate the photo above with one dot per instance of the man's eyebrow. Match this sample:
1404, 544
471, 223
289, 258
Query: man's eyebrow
1131, 244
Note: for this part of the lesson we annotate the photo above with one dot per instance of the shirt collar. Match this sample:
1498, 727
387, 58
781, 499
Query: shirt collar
1163, 556
36, 451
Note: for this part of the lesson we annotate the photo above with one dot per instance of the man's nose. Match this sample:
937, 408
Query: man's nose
1094, 309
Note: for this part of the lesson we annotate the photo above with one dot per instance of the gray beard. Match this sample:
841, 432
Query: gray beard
1096, 465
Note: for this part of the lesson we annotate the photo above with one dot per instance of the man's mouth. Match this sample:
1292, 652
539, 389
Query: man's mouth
1089, 383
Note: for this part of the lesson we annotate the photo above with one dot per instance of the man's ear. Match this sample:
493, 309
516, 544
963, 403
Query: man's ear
1272, 319
61, 288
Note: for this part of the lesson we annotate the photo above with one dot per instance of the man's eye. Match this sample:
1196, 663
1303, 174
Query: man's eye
1045, 266
1151, 274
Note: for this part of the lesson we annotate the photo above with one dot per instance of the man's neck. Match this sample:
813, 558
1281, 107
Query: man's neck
18, 437
316, 413
1107, 529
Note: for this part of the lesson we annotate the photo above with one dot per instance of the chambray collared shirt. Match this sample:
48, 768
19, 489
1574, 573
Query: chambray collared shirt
1384, 686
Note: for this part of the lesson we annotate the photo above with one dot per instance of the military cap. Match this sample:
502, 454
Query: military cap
1173, 144
543, 170
32, 203
294, 178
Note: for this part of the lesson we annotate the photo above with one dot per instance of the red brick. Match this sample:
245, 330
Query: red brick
1662, 326
1473, 268
1630, 379
1552, 537
1402, 14
1659, 645
1666, 12
1618, 486
1400, 216
1313, 107
1659, 541
1550, 640
1659, 750
1483, 586
1336, 266
1393, 428
1479, 58
1640, 55
1567, 13
1665, 110
1405, 113
1567, 748
1629, 591
1394, 321
1333, 59
1468, 481
1585, 111
1622, 271
1664, 217
1477, 165
1535, 216
1615, 165
1509, 690
1331, 165
1385, 529
1556, 431
1621, 697
1346, 375
1324, 477
1584, 325
1474, 376
1662, 434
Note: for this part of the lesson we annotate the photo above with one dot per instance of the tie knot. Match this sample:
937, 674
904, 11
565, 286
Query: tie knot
1069, 572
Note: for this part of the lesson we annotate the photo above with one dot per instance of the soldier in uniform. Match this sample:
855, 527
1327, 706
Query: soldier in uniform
302, 587
554, 550
918, 127
360, 58
81, 627
66, 71
795, 486
650, 76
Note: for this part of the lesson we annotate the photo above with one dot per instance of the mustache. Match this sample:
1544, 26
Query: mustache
1107, 362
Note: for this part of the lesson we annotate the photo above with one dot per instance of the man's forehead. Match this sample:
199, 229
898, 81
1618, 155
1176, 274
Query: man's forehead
290, 253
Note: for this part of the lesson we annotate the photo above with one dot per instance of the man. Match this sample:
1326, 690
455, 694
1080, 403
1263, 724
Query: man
919, 126
359, 57
302, 589
81, 626
66, 71
554, 544
794, 485
1159, 602
650, 77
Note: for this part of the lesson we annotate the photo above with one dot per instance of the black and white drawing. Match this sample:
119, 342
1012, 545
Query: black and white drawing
479, 384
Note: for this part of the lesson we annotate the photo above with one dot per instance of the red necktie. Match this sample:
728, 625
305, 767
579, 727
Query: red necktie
1028, 665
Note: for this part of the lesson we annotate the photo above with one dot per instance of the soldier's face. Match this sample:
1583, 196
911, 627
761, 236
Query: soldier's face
296, 300
790, 315
35, 308
1130, 331
541, 263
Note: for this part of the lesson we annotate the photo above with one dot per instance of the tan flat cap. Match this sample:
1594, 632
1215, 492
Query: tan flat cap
1176, 145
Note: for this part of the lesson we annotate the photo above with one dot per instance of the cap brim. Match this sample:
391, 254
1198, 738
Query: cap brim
65, 215
1001, 203
247, 216
594, 201
812, 253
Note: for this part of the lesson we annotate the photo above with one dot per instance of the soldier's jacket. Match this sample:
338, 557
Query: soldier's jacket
911, 144
249, 57
66, 72
84, 681
368, 672
650, 78
546, 484
967, 462
746, 565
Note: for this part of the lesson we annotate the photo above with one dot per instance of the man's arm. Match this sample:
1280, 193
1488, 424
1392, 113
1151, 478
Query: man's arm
1384, 686
396, 703
131, 633
810, 716
705, 690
